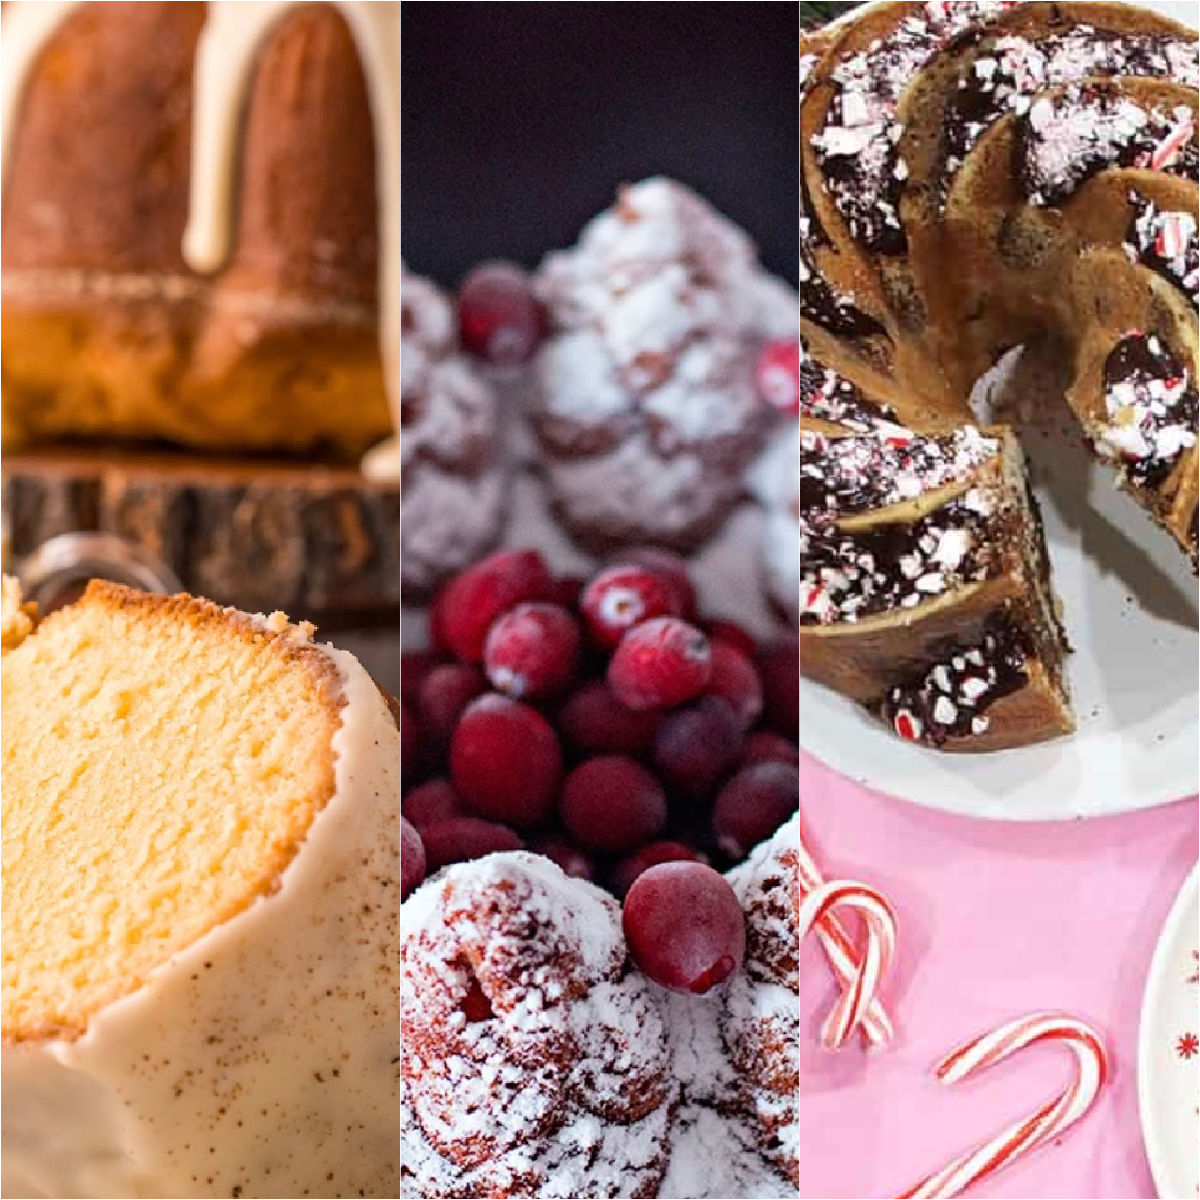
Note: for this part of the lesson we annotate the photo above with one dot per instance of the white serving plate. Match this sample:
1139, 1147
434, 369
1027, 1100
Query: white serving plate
1168, 1075
1130, 605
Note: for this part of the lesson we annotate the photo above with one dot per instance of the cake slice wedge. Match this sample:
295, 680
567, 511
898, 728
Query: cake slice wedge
925, 591
201, 896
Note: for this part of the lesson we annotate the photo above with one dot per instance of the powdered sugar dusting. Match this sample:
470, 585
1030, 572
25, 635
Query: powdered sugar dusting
453, 485
657, 317
538, 1062
535, 1061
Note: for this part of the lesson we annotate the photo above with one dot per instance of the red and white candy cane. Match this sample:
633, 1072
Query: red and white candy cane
839, 949
860, 988
1057, 1115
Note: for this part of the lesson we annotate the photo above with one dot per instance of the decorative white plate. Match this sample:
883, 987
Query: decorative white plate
1169, 1051
1130, 607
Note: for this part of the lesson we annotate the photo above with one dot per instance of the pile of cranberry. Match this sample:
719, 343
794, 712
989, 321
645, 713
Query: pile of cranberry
604, 724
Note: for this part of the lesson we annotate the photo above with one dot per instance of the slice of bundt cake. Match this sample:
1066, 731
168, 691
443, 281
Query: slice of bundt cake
922, 559
200, 906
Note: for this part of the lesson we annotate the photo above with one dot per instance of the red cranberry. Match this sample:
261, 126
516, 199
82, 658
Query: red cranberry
414, 666
505, 761
777, 376
446, 691
765, 746
462, 839
630, 867
670, 567
594, 721
731, 634
500, 319
566, 854
753, 804
532, 650
684, 926
412, 859
660, 663
613, 804
471, 601
619, 597
432, 802
779, 667
735, 681
410, 746
696, 747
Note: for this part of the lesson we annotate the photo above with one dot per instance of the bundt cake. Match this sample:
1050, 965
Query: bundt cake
201, 243
539, 1062
974, 177
452, 479
644, 400
200, 906
536, 1062
760, 1025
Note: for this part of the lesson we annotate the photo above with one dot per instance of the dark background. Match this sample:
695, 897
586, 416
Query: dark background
520, 120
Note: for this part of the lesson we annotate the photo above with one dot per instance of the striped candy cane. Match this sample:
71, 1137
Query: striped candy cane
843, 959
1057, 1115
860, 988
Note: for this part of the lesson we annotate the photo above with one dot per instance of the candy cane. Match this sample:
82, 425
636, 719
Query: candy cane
1057, 1115
859, 990
840, 951
1166, 150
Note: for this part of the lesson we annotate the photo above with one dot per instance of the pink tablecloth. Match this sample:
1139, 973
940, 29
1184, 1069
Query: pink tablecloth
995, 920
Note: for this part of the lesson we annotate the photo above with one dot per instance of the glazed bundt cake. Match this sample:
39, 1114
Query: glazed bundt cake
201, 243
978, 176
644, 400
539, 1062
452, 479
201, 898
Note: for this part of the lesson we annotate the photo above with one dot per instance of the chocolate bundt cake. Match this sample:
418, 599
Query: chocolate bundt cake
977, 176
201, 991
452, 478
644, 400
201, 220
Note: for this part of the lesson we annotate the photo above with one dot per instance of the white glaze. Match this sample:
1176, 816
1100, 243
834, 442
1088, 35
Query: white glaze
264, 1059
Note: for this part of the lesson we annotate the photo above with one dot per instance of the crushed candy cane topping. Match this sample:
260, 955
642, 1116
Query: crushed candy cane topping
1068, 137
1151, 408
857, 146
950, 699
1166, 242
1006, 72
888, 466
